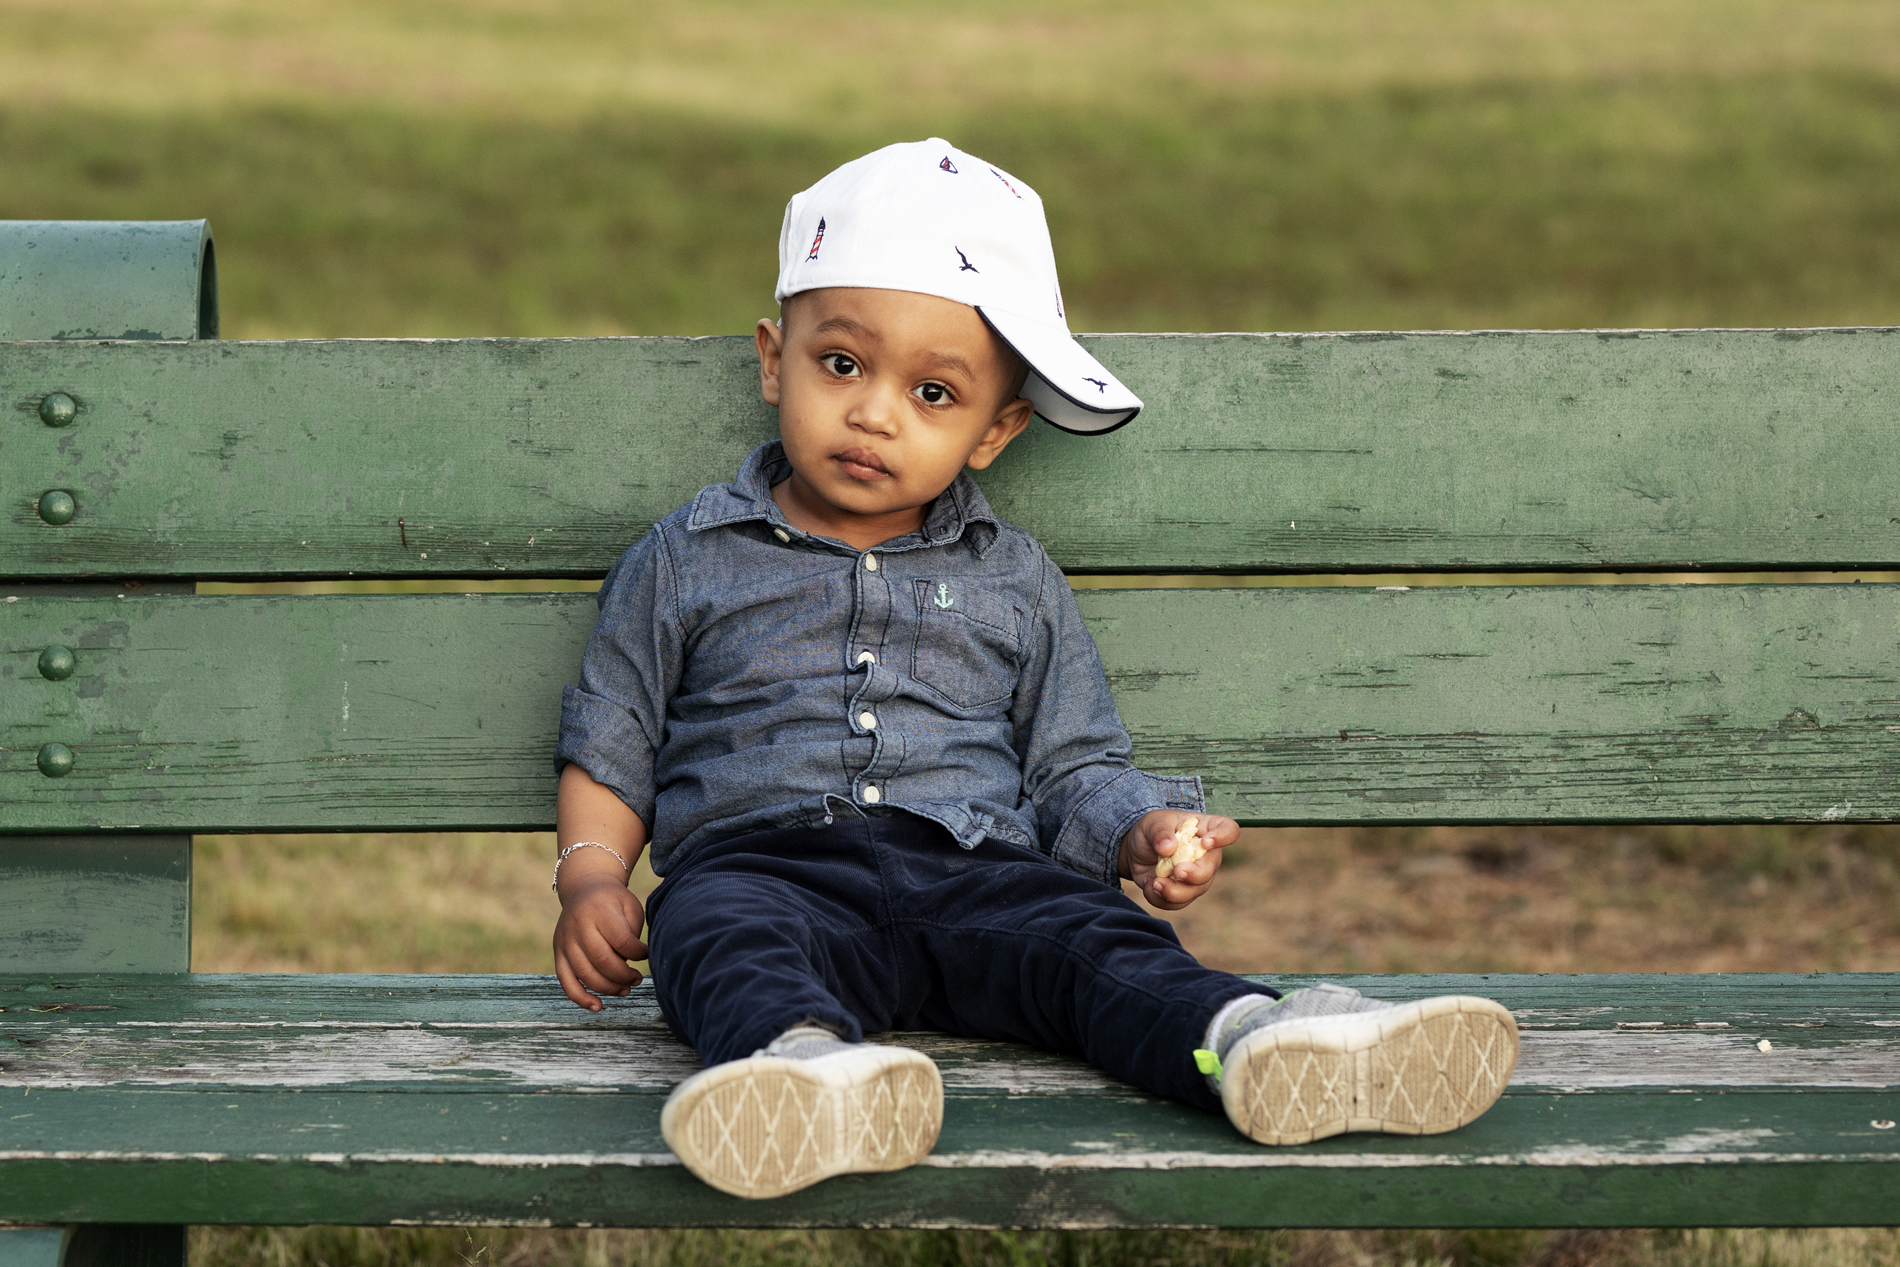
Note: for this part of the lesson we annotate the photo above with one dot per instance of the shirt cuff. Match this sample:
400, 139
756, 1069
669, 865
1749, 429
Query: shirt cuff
1091, 840
604, 739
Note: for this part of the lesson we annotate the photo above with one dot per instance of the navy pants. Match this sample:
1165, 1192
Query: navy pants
884, 923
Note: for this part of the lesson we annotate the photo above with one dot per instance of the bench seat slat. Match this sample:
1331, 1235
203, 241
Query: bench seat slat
489, 1141
1302, 453
290, 1157
1554, 704
1849, 1046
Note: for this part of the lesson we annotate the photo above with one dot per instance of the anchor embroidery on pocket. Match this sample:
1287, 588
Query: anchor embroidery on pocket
943, 599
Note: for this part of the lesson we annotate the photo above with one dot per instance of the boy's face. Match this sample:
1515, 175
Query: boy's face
883, 397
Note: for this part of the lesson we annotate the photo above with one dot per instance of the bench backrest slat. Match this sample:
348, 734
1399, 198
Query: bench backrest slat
1544, 703
1299, 453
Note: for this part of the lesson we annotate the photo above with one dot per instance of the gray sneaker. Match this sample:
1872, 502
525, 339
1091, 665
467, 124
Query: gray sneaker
1326, 1060
804, 1108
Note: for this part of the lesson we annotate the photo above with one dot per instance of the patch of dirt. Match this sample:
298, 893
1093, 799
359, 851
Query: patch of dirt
1543, 899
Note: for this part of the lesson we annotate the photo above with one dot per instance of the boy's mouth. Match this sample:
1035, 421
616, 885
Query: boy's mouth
862, 464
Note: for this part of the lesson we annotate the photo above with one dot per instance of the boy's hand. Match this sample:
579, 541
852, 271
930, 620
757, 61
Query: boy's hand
599, 930
1152, 839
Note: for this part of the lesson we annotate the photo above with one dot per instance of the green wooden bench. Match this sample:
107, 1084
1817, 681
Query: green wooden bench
136, 1096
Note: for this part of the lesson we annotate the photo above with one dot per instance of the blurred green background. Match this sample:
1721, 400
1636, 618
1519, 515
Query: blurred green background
551, 167
581, 167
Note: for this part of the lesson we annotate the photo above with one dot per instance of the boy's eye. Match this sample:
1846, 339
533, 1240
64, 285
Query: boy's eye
840, 363
933, 393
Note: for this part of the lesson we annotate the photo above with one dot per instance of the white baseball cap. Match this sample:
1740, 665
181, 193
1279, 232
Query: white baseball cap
924, 216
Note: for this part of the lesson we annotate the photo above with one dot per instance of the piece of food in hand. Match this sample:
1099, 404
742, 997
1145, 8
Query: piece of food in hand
1188, 846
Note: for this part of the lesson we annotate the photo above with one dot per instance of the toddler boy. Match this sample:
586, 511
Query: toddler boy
871, 744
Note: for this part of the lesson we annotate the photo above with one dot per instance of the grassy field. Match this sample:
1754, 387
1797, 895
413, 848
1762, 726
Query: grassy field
554, 167
530, 167
1822, 898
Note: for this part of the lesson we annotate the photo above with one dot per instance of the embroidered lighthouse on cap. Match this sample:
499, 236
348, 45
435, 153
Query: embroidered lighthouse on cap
930, 218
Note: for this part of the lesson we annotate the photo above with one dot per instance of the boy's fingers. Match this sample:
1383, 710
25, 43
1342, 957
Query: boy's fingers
586, 975
569, 986
615, 973
1182, 887
1161, 894
626, 942
1200, 872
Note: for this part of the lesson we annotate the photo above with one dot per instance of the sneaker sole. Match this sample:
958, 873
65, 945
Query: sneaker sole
765, 1126
1414, 1069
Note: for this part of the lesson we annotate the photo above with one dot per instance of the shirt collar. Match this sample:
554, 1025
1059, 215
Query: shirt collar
958, 509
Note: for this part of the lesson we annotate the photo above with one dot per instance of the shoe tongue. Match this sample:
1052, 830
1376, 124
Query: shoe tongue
806, 1033
1325, 999
804, 1042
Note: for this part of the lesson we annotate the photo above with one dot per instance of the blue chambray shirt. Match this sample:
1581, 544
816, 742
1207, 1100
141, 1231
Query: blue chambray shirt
745, 676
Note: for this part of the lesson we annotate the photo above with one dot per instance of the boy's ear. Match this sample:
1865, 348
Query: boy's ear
1009, 423
770, 340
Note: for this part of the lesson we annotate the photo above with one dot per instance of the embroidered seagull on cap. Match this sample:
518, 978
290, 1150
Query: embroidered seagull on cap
967, 266
1100, 386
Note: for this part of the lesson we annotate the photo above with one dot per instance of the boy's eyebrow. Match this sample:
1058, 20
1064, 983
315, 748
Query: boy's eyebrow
841, 325
951, 361
846, 325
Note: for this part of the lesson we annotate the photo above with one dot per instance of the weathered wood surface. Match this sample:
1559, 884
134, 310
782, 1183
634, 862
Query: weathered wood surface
106, 279
95, 904
1558, 704
257, 1099
1838, 1033
488, 457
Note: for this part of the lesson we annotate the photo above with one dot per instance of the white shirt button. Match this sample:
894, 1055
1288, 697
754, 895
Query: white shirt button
870, 563
865, 657
782, 535
868, 720
871, 794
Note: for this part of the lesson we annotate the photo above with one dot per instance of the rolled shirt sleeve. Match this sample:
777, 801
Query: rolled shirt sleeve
1083, 790
613, 722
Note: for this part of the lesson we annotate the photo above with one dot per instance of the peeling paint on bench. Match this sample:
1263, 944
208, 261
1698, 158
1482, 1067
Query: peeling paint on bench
646, 1056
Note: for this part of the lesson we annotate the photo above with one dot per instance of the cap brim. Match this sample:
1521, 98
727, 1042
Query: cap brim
1072, 391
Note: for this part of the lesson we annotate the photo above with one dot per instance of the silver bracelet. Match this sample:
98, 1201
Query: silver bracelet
555, 884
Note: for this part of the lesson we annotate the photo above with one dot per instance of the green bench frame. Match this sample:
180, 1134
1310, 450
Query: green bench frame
145, 1097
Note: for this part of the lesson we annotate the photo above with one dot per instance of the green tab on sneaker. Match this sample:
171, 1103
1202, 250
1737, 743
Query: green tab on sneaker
1207, 1062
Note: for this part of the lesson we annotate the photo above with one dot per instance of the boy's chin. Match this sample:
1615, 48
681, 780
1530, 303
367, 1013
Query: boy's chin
869, 498
872, 507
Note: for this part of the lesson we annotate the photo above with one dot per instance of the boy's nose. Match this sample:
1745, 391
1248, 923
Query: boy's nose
877, 412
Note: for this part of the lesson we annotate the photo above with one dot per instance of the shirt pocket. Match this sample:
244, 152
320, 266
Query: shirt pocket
969, 643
